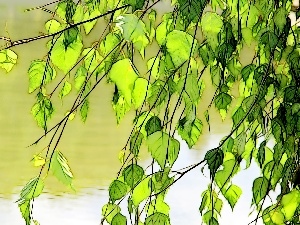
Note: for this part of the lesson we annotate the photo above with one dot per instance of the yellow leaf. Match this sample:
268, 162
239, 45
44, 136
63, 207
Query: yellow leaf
38, 160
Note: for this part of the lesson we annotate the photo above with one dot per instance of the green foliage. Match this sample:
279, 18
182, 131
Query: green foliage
263, 94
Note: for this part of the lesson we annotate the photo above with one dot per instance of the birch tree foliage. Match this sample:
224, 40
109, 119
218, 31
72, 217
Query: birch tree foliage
197, 36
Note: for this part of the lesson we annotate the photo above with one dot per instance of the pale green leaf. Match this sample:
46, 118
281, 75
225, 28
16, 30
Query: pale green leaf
181, 46
139, 91
39, 73
92, 60
25, 208
90, 13
66, 89
134, 30
32, 189
60, 168
163, 148
109, 211
52, 26
290, 202
65, 57
232, 195
141, 192
80, 77
8, 59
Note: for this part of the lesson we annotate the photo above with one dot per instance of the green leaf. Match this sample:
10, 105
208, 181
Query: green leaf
65, 57
108, 44
66, 89
84, 109
190, 130
261, 153
134, 30
39, 73
230, 168
92, 60
139, 92
60, 168
191, 10
157, 219
214, 159
141, 192
163, 148
32, 189
117, 190
123, 75
158, 94
290, 202
239, 143
121, 107
52, 26
135, 143
153, 125
25, 208
90, 13
109, 211
8, 59
222, 101
269, 39
238, 116
153, 67
280, 17
191, 88
158, 205
80, 77
133, 174
232, 195
181, 46
42, 110
259, 189
211, 25
119, 219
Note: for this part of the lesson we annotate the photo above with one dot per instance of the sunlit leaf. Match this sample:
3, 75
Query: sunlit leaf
65, 57
80, 77
109, 211
25, 208
32, 189
290, 202
90, 13
39, 73
60, 168
52, 26
38, 160
8, 59
133, 29
92, 60
141, 192
124, 76
66, 89
163, 148
232, 195
139, 91
181, 46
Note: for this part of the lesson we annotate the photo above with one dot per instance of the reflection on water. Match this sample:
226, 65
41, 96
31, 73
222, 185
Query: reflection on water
91, 149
